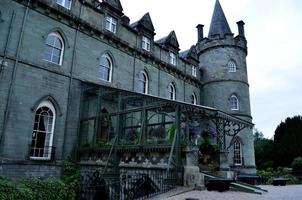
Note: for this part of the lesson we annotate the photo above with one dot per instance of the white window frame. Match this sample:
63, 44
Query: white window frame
49, 133
110, 24
58, 36
108, 58
193, 99
172, 58
65, 3
146, 43
172, 91
194, 71
237, 152
232, 66
234, 103
144, 82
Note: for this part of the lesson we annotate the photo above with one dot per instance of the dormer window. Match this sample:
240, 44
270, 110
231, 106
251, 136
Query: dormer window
111, 24
64, 3
146, 43
194, 71
172, 58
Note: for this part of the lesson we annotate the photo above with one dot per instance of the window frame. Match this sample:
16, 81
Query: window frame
172, 58
64, 3
49, 134
232, 66
237, 152
59, 37
146, 43
194, 71
172, 91
144, 82
193, 99
110, 67
234, 102
111, 24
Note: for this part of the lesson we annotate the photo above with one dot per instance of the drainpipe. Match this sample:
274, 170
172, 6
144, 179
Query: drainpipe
3, 61
7, 41
70, 84
13, 76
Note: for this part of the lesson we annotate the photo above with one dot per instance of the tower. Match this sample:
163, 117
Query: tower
222, 60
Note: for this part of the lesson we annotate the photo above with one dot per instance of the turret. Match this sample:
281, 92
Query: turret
222, 60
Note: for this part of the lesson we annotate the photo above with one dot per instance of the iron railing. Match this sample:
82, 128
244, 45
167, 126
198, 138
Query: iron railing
130, 185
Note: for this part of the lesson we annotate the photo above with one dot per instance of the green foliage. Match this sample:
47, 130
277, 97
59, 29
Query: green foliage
263, 151
287, 141
269, 174
208, 152
53, 189
172, 133
297, 164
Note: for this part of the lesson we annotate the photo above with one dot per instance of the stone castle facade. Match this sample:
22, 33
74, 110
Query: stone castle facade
54, 53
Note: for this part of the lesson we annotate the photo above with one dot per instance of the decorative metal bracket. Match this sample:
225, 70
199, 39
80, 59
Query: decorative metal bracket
226, 126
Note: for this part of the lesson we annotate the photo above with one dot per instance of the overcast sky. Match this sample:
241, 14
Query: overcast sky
274, 33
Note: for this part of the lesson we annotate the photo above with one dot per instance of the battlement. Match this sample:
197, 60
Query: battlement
217, 41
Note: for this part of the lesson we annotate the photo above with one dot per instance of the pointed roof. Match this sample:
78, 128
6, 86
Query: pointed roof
219, 23
170, 40
115, 4
145, 22
190, 55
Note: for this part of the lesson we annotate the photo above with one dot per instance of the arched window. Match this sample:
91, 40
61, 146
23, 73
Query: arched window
193, 98
171, 90
232, 66
237, 152
54, 49
234, 104
42, 135
105, 68
143, 82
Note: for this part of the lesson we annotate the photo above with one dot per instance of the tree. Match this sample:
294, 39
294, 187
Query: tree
288, 141
263, 150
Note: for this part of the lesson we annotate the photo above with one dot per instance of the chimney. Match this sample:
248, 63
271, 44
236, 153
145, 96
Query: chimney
200, 32
240, 25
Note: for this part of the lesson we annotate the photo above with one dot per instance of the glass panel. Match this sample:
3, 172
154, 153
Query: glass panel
132, 128
160, 127
50, 40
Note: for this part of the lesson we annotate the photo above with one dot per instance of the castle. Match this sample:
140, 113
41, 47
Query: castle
79, 82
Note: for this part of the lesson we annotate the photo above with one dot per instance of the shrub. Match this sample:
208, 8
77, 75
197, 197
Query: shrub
66, 188
297, 164
269, 174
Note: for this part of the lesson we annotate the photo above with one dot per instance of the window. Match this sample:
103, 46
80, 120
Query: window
234, 103
171, 91
237, 152
193, 98
194, 71
172, 58
111, 24
54, 49
146, 43
143, 82
105, 68
64, 3
41, 146
232, 66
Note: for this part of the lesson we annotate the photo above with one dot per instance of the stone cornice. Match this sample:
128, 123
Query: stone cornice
60, 14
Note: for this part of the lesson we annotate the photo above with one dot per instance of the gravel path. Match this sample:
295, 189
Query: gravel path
291, 192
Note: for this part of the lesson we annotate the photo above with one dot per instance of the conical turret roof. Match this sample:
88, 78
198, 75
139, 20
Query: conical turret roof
219, 23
